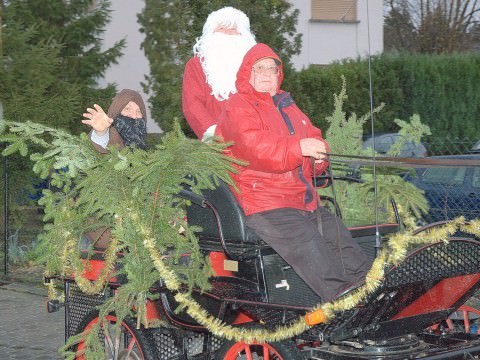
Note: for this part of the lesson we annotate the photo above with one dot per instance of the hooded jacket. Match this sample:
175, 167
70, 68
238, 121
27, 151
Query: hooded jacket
101, 236
118, 103
266, 132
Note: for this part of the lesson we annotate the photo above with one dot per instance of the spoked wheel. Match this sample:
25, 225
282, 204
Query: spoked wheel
460, 320
123, 343
268, 351
463, 318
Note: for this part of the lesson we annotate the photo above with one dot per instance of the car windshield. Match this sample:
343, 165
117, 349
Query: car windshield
384, 142
382, 145
476, 178
445, 176
476, 147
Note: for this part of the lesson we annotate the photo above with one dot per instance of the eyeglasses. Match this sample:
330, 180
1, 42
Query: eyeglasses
266, 70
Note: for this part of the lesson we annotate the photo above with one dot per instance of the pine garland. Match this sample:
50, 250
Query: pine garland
145, 226
344, 135
394, 253
96, 191
110, 259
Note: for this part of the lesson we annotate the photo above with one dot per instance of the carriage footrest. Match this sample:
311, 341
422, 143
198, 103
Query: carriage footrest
54, 306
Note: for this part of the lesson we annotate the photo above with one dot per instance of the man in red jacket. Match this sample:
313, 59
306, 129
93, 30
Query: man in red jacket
209, 77
284, 151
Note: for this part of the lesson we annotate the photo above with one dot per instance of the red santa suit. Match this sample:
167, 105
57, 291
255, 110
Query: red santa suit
200, 107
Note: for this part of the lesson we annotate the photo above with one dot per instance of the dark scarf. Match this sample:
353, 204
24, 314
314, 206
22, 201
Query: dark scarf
132, 131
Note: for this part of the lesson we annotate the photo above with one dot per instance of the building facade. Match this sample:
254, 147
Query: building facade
338, 29
132, 67
332, 30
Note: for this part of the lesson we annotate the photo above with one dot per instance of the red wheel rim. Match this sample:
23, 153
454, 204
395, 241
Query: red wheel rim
465, 310
246, 351
112, 319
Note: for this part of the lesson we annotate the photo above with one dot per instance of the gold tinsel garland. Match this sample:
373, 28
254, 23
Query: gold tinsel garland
398, 251
94, 287
392, 254
72, 268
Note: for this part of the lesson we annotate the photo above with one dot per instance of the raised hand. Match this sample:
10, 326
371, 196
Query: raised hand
97, 119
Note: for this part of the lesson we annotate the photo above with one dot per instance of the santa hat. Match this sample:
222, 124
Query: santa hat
227, 16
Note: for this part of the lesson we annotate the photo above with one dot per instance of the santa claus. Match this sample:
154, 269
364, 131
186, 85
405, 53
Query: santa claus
209, 77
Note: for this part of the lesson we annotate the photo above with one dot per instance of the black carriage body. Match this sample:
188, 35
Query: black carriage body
263, 285
254, 286
431, 283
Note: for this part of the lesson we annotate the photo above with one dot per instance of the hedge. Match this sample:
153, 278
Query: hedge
443, 89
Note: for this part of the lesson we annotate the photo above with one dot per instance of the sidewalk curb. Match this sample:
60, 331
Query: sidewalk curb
23, 288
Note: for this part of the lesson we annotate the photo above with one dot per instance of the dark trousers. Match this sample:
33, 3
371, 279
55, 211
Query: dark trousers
316, 244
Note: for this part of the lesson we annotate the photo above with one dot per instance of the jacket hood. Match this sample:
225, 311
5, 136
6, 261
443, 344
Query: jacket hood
257, 52
122, 99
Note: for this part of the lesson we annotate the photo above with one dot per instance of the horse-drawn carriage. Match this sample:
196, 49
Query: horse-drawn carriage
416, 311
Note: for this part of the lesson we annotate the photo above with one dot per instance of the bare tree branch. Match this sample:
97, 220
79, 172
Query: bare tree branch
432, 26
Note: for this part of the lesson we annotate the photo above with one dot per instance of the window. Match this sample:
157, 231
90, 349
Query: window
334, 10
445, 176
476, 177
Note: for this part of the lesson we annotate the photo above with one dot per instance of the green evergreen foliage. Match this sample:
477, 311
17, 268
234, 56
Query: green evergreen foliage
30, 89
443, 89
171, 27
312, 89
52, 59
357, 203
29, 85
132, 192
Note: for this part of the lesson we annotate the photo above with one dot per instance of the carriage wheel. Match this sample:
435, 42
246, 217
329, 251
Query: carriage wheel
467, 313
464, 313
127, 344
267, 351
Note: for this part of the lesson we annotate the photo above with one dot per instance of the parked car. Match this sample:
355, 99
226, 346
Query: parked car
383, 143
451, 191
476, 147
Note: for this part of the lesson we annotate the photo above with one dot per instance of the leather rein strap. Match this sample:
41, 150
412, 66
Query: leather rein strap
401, 162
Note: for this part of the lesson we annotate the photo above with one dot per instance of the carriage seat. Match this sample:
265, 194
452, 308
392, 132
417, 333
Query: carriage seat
232, 220
230, 216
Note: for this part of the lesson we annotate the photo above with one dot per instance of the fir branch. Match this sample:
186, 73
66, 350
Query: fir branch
149, 236
344, 136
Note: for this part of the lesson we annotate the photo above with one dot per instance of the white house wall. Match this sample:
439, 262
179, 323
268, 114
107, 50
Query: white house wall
323, 42
133, 65
326, 41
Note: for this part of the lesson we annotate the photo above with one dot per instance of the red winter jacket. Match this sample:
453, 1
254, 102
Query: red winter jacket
199, 106
278, 176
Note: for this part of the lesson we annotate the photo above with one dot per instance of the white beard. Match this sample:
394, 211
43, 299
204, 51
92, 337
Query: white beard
221, 56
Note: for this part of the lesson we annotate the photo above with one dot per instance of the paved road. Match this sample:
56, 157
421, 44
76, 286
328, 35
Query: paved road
27, 331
